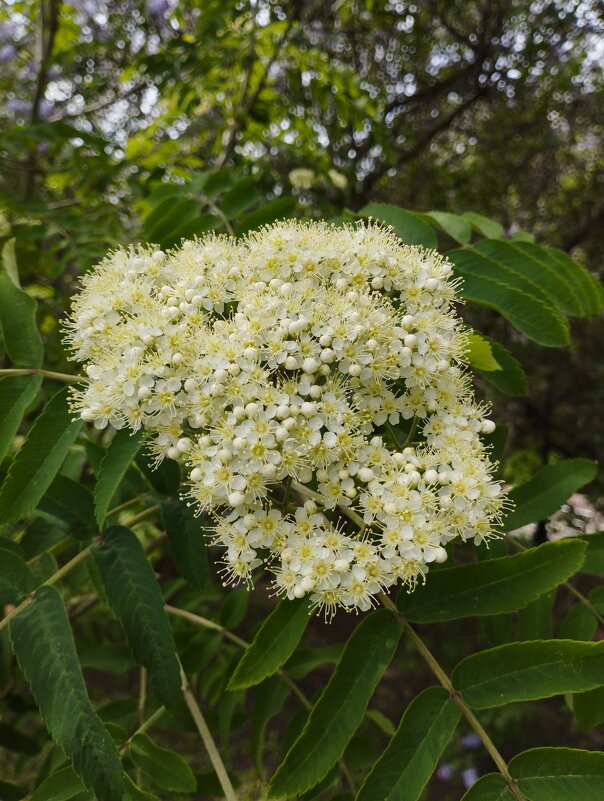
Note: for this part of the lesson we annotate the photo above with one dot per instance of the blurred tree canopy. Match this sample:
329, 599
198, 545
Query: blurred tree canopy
485, 105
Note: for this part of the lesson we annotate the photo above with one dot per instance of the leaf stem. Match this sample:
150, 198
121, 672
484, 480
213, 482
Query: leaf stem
143, 515
445, 681
65, 377
316, 496
208, 740
57, 576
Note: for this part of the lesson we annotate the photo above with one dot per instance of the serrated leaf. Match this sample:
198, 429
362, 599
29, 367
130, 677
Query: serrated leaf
39, 459
165, 478
134, 793
279, 209
403, 770
16, 579
485, 226
525, 671
545, 493
18, 322
491, 787
136, 599
339, 711
274, 643
120, 453
196, 226
165, 768
407, 225
479, 353
73, 504
521, 301
455, 226
187, 543
492, 586
531, 262
586, 285
168, 217
510, 378
559, 774
44, 646
17, 393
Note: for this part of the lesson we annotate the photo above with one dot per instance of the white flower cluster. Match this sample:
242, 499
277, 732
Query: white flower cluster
310, 379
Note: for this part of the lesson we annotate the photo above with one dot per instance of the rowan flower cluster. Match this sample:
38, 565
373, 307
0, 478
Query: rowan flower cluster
311, 380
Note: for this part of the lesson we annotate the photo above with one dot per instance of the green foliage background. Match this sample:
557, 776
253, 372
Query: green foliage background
471, 127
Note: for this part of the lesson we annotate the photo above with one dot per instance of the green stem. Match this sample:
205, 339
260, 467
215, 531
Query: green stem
144, 726
445, 681
204, 622
57, 576
207, 739
411, 433
143, 515
577, 593
65, 377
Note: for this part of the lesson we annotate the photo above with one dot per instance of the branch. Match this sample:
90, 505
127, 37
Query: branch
406, 156
445, 681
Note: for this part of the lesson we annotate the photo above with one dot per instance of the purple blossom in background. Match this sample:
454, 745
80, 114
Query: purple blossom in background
8, 30
45, 109
470, 740
445, 772
157, 8
7, 53
17, 106
470, 776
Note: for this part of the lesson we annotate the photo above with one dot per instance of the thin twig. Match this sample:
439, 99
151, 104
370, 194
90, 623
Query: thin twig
445, 681
208, 740
65, 377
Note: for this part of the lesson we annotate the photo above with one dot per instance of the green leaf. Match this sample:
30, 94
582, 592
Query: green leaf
274, 643
279, 209
588, 708
165, 478
490, 787
340, 708
16, 579
587, 287
578, 624
240, 198
545, 493
197, 226
109, 657
268, 702
403, 770
122, 450
510, 378
18, 322
43, 644
165, 768
407, 225
594, 558
492, 586
39, 459
72, 504
520, 300
167, 218
531, 262
60, 786
458, 228
136, 599
559, 774
187, 542
234, 607
480, 354
484, 226
525, 671
134, 793
17, 393
535, 620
